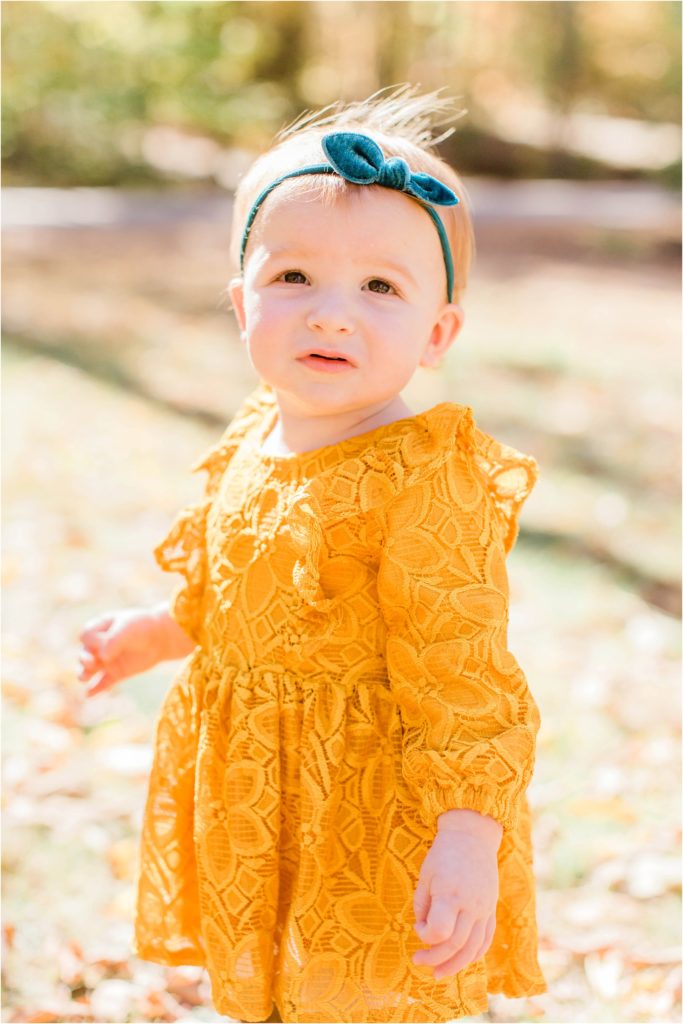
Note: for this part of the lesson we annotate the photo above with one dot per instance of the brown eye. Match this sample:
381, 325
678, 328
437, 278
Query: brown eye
294, 277
379, 286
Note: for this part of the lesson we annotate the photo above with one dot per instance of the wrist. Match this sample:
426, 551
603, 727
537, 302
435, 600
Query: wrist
162, 627
171, 639
471, 823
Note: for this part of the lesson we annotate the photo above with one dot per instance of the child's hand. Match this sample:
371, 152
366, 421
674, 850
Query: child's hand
118, 645
455, 901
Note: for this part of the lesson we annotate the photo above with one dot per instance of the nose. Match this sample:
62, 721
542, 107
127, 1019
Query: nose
330, 312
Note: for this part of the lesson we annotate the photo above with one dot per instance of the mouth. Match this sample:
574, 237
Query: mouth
326, 359
327, 356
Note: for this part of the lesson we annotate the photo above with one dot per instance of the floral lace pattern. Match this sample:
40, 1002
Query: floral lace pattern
351, 682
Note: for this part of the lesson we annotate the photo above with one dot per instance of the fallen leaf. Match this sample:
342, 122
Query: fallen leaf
123, 858
647, 957
113, 999
70, 966
604, 972
159, 1006
612, 808
16, 693
652, 875
8, 933
185, 984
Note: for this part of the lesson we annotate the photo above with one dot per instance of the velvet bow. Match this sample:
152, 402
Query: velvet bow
360, 160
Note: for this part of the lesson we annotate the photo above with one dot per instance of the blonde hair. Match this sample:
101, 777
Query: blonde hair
400, 123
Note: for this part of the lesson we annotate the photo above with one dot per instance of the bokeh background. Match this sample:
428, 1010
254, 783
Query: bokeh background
126, 126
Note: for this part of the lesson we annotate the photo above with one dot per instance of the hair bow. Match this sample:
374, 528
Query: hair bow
359, 159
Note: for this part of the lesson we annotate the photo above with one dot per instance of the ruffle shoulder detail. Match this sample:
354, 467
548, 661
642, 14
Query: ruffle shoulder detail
451, 434
183, 549
509, 475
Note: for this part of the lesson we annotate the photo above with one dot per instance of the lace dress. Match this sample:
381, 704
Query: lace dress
351, 681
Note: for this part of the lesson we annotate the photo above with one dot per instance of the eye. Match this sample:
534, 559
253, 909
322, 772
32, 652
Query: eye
379, 286
293, 277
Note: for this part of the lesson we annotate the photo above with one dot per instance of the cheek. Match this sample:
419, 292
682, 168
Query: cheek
252, 311
399, 329
267, 316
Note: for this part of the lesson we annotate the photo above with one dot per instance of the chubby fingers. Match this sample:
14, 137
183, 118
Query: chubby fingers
454, 955
89, 664
446, 937
98, 647
440, 920
105, 682
465, 956
488, 937
94, 626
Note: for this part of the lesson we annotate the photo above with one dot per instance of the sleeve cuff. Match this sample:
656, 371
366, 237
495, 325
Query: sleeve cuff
436, 800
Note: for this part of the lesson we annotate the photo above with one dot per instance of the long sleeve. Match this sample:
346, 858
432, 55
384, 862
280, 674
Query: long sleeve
469, 720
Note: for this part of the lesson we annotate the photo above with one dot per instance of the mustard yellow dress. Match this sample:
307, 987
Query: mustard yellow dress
351, 682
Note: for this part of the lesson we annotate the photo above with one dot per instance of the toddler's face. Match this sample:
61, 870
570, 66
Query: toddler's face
362, 278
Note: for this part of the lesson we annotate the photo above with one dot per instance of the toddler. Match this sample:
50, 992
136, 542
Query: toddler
336, 824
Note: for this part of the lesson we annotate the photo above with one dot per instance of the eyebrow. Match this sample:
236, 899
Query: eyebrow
398, 268
291, 250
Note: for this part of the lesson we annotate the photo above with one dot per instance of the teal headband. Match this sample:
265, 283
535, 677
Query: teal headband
358, 159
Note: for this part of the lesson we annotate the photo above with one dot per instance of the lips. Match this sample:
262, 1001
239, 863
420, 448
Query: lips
327, 355
326, 365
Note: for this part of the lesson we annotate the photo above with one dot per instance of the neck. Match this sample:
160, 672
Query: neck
296, 431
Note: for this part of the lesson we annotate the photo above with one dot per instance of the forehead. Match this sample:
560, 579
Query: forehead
335, 213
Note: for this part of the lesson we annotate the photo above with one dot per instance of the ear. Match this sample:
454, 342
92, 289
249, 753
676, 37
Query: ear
236, 292
443, 334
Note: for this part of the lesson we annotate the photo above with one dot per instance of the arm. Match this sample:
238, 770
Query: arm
472, 823
174, 641
126, 643
469, 721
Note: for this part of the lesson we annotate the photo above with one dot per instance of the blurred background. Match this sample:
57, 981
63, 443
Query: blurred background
126, 126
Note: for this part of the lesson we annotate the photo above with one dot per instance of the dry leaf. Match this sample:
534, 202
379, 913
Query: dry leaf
185, 984
653, 874
613, 808
113, 999
604, 972
123, 858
